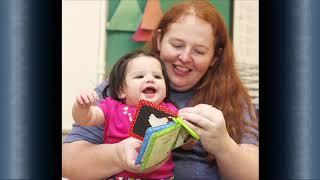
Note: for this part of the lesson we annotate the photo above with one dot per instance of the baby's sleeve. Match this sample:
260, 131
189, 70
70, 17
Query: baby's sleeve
172, 107
105, 105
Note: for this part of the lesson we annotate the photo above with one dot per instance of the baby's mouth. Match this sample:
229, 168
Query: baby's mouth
149, 90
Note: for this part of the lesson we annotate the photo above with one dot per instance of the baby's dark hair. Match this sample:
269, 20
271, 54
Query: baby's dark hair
117, 78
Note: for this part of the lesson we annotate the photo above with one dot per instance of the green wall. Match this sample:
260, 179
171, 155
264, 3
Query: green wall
120, 43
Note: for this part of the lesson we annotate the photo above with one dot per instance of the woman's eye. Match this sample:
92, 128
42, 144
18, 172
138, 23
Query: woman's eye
200, 52
177, 45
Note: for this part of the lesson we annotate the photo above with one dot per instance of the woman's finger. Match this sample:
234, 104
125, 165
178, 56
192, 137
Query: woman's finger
186, 109
201, 109
196, 108
133, 154
196, 119
132, 165
195, 128
206, 111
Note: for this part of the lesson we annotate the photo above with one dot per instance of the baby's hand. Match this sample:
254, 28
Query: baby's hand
85, 100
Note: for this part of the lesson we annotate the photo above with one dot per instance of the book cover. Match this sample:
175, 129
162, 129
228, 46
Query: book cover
148, 115
160, 145
150, 131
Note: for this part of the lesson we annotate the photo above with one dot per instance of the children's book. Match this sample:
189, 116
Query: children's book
161, 131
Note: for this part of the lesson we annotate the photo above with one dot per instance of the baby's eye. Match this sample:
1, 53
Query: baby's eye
157, 76
138, 77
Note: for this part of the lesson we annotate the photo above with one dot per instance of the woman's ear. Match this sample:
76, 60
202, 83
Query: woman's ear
158, 39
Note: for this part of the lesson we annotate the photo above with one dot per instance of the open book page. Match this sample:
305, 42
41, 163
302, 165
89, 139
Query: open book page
182, 138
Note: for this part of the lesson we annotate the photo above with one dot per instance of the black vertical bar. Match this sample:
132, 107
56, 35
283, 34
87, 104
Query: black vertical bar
30, 108
303, 105
271, 80
289, 89
4, 79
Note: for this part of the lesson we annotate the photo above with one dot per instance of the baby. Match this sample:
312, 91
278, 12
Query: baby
135, 76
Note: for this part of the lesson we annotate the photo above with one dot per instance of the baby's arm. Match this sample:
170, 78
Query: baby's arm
84, 111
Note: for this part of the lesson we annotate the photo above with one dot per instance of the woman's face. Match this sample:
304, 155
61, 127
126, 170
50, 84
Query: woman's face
187, 50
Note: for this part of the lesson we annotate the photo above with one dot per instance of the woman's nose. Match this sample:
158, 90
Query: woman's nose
185, 56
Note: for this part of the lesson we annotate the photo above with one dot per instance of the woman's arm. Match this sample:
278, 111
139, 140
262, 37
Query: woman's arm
234, 161
84, 160
239, 161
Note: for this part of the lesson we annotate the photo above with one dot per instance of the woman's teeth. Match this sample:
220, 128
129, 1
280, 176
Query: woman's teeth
181, 68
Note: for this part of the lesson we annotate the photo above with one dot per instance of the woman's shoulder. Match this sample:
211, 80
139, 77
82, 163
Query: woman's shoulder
100, 87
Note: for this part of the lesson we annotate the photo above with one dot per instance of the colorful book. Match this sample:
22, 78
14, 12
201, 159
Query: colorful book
160, 130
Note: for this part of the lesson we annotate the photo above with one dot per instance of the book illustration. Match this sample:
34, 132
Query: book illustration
182, 139
161, 131
154, 121
146, 109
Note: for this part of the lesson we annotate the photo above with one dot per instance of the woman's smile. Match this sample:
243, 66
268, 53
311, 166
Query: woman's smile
181, 69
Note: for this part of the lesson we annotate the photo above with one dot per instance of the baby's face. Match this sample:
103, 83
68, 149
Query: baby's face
144, 80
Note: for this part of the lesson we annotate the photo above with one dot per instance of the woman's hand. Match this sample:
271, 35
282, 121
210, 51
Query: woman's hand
209, 123
127, 153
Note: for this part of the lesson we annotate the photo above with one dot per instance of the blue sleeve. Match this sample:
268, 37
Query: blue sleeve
93, 134
99, 89
251, 133
248, 138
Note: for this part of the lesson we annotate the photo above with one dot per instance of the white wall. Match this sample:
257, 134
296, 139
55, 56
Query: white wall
83, 50
246, 44
246, 31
